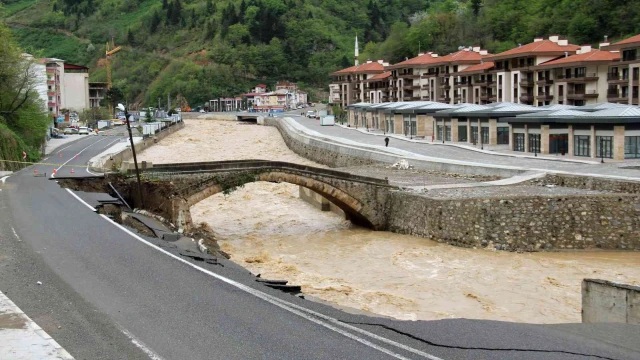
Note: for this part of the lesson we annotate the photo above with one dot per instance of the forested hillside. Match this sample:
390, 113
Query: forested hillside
205, 48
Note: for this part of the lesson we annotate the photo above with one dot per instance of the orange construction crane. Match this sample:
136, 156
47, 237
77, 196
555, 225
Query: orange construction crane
110, 50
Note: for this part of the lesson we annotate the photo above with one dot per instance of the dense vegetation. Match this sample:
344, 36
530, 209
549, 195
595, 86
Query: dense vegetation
207, 48
23, 122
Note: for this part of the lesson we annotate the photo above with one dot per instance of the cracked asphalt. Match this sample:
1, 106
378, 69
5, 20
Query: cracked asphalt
102, 286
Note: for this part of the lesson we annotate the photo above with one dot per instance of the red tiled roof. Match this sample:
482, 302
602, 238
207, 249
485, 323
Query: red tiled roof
424, 59
536, 48
591, 56
458, 57
633, 39
478, 67
463, 56
382, 76
372, 67
75, 67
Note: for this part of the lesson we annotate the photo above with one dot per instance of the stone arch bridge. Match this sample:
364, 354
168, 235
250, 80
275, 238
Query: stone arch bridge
171, 189
363, 199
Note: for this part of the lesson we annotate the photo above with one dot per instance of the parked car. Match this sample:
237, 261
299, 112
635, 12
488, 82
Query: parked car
83, 130
70, 131
311, 114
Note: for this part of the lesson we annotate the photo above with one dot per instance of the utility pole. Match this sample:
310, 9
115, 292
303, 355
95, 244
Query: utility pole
158, 102
133, 149
168, 102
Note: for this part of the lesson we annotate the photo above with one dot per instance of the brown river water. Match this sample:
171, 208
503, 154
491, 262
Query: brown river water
269, 230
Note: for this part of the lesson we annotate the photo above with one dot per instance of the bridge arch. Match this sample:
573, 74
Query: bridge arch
352, 207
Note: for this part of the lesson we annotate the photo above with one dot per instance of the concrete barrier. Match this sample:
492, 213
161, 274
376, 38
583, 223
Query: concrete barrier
608, 302
115, 161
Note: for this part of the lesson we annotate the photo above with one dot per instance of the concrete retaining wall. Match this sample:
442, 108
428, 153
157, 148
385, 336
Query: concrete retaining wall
608, 221
340, 155
115, 161
608, 302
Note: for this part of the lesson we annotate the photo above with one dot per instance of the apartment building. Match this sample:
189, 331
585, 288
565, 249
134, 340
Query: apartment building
75, 89
474, 81
624, 76
513, 73
348, 86
97, 93
429, 77
377, 88
579, 79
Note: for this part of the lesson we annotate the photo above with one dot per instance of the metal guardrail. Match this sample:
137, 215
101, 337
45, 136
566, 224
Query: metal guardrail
260, 165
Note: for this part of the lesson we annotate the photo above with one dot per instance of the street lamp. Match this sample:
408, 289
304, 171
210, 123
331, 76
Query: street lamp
133, 149
601, 150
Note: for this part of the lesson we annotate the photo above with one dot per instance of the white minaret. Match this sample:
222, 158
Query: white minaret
356, 53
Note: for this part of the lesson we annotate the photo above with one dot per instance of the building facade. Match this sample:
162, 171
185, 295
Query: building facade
623, 77
348, 85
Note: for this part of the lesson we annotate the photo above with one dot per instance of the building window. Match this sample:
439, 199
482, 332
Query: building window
631, 147
407, 125
439, 132
534, 143
604, 146
558, 143
474, 135
462, 133
581, 145
485, 135
503, 135
414, 125
518, 142
447, 133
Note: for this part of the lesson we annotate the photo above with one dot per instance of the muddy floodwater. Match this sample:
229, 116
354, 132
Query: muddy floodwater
269, 230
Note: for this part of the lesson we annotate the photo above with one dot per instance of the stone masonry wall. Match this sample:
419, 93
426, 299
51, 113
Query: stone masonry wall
590, 183
609, 221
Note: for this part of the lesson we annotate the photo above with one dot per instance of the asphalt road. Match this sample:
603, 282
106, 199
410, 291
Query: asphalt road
110, 294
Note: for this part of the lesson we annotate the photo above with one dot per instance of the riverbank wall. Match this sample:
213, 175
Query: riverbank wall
528, 223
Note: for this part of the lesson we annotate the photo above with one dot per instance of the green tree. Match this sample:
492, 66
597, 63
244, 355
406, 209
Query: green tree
23, 121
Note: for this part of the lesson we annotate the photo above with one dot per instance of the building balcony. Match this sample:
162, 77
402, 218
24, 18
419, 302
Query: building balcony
526, 82
544, 96
410, 76
480, 82
461, 84
425, 87
457, 97
425, 97
544, 81
572, 78
429, 75
484, 96
587, 94
51, 103
492, 98
415, 98
617, 78
51, 82
526, 98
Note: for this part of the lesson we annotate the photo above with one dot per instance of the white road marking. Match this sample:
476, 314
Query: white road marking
140, 345
4, 178
15, 234
311, 315
73, 157
82, 201
30, 342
